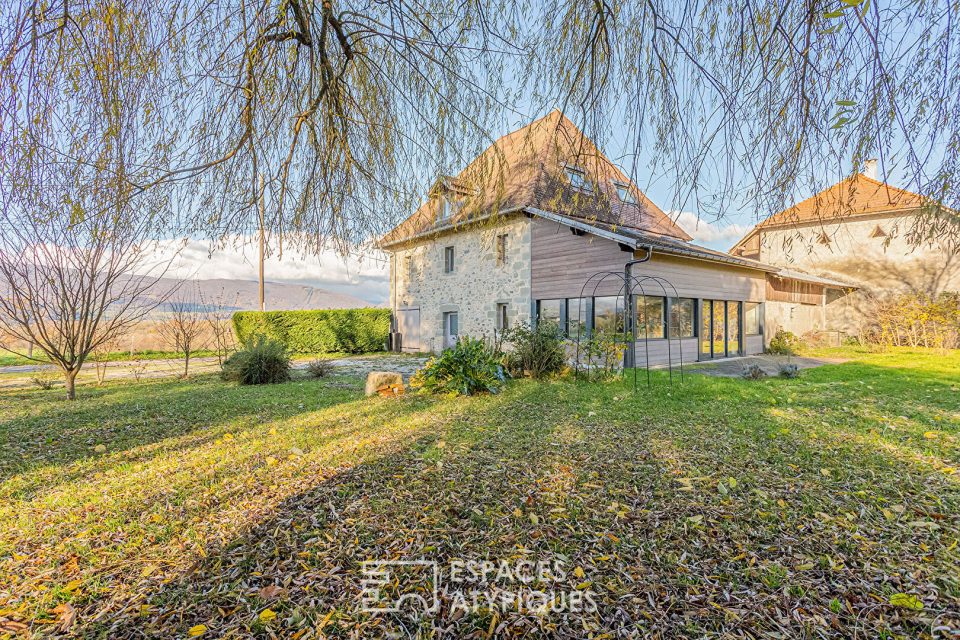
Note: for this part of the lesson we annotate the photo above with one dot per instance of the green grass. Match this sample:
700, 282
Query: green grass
715, 507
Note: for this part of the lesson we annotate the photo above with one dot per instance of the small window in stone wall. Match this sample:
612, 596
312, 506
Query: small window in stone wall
448, 260
501, 249
503, 317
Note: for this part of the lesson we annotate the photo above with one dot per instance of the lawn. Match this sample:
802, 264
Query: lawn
825, 506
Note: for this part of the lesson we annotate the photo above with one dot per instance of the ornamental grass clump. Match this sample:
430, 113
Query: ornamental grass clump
260, 361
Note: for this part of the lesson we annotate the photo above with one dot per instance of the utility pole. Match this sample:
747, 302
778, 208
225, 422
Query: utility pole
262, 306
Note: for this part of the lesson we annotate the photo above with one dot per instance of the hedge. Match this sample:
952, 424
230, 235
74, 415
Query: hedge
320, 331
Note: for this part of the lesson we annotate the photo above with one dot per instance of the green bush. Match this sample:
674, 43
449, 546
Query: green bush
260, 361
469, 367
537, 352
784, 343
602, 355
320, 331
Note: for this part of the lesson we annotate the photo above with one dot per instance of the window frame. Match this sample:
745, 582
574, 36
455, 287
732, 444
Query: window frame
503, 316
639, 299
619, 313
570, 171
675, 302
449, 259
561, 311
746, 329
624, 189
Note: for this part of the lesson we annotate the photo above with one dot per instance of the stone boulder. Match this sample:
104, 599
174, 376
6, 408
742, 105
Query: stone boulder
378, 380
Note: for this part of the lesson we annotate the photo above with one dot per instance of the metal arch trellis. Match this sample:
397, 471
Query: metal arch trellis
629, 285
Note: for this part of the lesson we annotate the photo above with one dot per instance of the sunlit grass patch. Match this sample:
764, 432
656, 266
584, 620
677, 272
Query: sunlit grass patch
709, 507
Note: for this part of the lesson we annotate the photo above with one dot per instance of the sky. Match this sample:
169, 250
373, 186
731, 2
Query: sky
364, 276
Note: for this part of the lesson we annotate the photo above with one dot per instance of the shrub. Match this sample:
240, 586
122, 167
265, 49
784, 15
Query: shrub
604, 355
319, 368
913, 320
320, 331
535, 351
469, 367
754, 372
260, 361
784, 343
789, 370
46, 379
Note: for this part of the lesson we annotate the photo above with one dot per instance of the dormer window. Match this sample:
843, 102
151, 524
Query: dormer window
450, 205
578, 179
625, 193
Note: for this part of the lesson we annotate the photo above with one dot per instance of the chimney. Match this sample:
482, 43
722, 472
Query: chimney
870, 168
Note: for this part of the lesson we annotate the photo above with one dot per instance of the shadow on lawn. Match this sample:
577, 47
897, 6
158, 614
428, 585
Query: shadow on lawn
626, 487
125, 417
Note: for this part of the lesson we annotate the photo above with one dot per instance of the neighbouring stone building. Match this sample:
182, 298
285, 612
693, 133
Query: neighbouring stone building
527, 231
860, 231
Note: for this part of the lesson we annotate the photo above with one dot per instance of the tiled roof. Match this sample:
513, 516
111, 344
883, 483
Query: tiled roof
852, 197
526, 169
855, 196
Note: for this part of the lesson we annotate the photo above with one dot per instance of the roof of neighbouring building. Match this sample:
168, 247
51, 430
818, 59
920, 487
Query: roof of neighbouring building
856, 196
793, 274
526, 168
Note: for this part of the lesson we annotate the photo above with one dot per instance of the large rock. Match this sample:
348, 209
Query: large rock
377, 380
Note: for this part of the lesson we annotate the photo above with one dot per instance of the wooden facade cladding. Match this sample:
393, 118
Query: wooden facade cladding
561, 262
786, 290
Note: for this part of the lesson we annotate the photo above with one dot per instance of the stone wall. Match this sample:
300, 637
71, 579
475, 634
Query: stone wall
890, 262
475, 287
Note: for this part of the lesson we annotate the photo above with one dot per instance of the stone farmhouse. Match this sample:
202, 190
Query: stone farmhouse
516, 235
861, 231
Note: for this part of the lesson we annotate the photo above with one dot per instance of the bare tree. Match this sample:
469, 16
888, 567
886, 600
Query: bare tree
70, 285
217, 314
184, 329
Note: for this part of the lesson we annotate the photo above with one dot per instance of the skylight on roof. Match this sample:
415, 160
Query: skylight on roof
625, 193
578, 179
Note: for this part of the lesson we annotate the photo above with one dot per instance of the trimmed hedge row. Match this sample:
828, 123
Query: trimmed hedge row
320, 331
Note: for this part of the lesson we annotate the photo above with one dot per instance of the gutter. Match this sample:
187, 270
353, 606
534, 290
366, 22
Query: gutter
450, 226
630, 241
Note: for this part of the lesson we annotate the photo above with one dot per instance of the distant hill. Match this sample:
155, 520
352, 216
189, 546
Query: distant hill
242, 295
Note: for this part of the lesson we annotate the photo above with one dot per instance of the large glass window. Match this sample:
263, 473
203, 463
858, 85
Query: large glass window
649, 317
719, 328
608, 314
549, 311
577, 311
706, 310
751, 318
733, 328
682, 317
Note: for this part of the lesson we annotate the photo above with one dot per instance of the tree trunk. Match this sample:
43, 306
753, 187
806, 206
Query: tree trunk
186, 364
70, 380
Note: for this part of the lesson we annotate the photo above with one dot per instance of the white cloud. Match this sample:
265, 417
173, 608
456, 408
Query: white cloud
710, 234
364, 274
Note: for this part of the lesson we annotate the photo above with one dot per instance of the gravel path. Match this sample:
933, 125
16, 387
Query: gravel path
734, 367
20, 376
